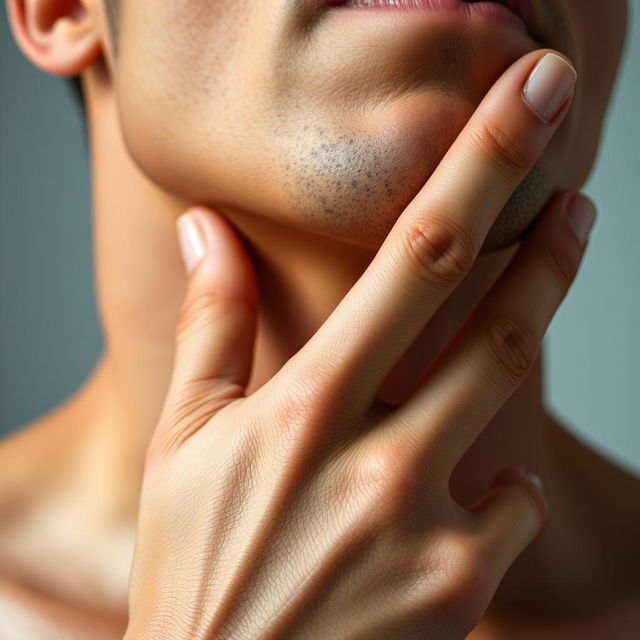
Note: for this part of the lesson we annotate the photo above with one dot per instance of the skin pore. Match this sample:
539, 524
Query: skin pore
310, 131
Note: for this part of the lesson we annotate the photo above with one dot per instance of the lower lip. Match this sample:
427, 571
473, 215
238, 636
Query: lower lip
491, 11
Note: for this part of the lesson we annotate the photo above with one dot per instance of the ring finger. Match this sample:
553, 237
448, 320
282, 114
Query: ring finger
436, 239
496, 348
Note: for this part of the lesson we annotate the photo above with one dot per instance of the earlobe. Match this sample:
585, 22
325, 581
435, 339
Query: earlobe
58, 36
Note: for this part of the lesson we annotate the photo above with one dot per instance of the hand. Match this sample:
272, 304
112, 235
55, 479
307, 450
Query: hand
310, 509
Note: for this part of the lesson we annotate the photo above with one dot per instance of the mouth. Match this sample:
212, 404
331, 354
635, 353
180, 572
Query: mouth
524, 9
519, 13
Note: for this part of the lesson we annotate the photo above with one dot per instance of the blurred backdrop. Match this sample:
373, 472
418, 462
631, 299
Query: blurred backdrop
49, 332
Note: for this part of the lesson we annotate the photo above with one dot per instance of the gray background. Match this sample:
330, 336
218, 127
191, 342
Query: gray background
49, 332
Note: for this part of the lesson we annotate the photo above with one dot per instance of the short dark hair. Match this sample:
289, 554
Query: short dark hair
76, 89
112, 8
78, 97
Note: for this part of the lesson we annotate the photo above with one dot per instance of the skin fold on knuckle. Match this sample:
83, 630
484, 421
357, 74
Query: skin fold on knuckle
184, 416
199, 311
513, 345
441, 253
509, 153
190, 407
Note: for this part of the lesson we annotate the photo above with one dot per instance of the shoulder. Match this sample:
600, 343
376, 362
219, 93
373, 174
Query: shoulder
24, 468
33, 458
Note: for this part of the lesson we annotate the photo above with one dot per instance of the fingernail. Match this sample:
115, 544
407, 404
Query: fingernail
539, 497
535, 479
581, 214
190, 239
549, 85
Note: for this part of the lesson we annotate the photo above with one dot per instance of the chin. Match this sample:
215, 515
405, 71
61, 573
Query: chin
352, 185
521, 210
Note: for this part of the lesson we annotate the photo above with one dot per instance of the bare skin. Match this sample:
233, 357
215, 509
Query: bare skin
75, 474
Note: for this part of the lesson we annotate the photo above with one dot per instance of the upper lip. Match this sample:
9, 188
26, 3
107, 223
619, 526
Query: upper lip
524, 9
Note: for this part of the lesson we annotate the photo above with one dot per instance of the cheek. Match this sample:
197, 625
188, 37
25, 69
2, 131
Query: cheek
154, 136
353, 159
180, 96
351, 179
354, 185
201, 118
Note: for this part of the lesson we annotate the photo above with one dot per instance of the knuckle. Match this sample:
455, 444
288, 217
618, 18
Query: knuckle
514, 344
461, 579
361, 480
302, 409
442, 252
199, 311
511, 155
380, 470
413, 493
377, 478
294, 405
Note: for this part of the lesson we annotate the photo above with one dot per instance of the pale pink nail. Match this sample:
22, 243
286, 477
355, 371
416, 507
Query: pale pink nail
581, 214
549, 85
191, 240
535, 479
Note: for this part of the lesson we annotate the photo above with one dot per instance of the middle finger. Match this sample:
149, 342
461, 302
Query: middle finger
435, 241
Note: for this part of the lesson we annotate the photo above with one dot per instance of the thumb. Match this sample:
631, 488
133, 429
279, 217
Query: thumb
215, 332
510, 516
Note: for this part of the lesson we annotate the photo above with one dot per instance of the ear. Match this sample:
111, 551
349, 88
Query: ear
58, 36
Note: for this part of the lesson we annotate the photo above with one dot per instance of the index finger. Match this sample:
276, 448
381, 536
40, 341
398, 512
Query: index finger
436, 240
